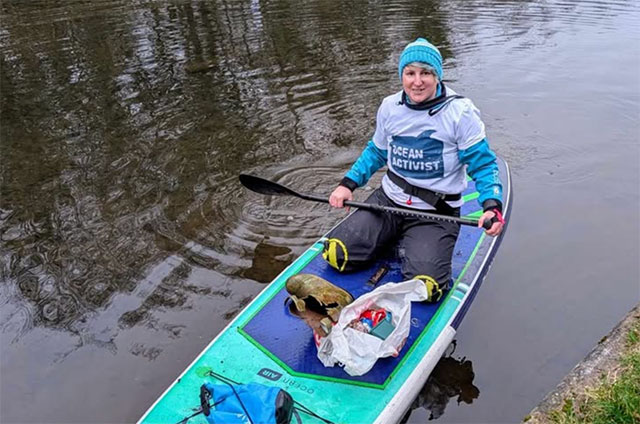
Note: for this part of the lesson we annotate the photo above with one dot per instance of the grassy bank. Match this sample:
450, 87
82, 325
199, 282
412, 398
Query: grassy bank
616, 399
611, 398
604, 388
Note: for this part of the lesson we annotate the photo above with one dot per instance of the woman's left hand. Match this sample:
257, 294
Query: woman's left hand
497, 226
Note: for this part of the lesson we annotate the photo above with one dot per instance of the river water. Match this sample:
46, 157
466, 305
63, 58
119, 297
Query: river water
127, 243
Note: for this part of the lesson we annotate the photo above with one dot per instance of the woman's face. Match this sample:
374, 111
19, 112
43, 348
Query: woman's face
418, 83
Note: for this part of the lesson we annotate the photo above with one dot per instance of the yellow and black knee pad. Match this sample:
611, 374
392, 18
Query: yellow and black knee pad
335, 253
434, 290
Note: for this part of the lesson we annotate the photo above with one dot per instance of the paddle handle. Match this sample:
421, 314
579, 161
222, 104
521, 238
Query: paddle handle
373, 207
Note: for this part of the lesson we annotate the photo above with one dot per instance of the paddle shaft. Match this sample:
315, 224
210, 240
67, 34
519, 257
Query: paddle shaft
263, 186
397, 211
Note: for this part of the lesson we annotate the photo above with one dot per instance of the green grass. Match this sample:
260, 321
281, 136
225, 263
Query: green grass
616, 400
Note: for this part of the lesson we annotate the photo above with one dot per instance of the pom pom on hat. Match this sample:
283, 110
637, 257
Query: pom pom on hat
421, 50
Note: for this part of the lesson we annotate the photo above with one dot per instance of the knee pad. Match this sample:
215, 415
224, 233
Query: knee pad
335, 253
434, 289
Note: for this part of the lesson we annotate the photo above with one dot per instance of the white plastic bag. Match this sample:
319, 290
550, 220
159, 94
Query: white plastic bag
359, 351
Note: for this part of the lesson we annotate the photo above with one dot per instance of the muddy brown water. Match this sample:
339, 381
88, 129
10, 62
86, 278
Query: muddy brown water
127, 243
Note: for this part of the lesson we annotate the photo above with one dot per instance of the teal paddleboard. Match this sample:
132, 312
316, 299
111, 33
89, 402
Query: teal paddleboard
265, 344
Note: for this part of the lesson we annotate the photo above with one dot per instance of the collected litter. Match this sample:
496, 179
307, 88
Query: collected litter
376, 321
375, 325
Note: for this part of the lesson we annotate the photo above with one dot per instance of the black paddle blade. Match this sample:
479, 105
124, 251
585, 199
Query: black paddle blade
262, 186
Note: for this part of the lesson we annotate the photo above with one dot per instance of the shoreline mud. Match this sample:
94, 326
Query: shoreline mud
604, 359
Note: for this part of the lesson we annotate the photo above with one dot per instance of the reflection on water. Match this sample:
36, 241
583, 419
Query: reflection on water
124, 126
268, 262
452, 377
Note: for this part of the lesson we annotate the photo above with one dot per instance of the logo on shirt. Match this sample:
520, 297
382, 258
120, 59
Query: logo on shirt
417, 157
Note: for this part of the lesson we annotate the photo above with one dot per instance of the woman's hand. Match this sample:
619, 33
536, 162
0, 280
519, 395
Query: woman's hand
339, 195
497, 226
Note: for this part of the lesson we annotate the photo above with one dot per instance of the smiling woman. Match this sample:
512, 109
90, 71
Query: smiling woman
430, 139
420, 82
420, 69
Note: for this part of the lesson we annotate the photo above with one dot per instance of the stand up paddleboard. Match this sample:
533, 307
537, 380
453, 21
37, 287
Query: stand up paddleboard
265, 344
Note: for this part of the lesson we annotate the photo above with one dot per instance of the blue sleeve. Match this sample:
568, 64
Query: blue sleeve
371, 159
483, 169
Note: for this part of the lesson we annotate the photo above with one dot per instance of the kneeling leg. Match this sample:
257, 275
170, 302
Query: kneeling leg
359, 239
426, 251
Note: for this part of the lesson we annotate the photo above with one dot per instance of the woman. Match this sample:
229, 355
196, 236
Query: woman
428, 136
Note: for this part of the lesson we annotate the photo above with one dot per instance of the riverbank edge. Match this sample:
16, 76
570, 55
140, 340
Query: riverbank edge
602, 360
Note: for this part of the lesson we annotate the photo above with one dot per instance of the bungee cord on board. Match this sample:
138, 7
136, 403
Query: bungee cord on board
205, 398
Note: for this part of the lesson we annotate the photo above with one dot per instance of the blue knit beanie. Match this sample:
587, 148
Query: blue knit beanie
421, 51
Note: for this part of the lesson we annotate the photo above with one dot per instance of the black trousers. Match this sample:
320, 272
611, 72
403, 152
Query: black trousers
425, 247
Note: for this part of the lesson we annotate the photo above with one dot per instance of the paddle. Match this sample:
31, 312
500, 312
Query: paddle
262, 186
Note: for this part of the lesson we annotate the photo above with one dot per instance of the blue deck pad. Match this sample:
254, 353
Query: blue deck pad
290, 340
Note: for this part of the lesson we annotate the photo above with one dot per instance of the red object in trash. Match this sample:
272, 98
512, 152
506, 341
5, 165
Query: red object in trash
375, 315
